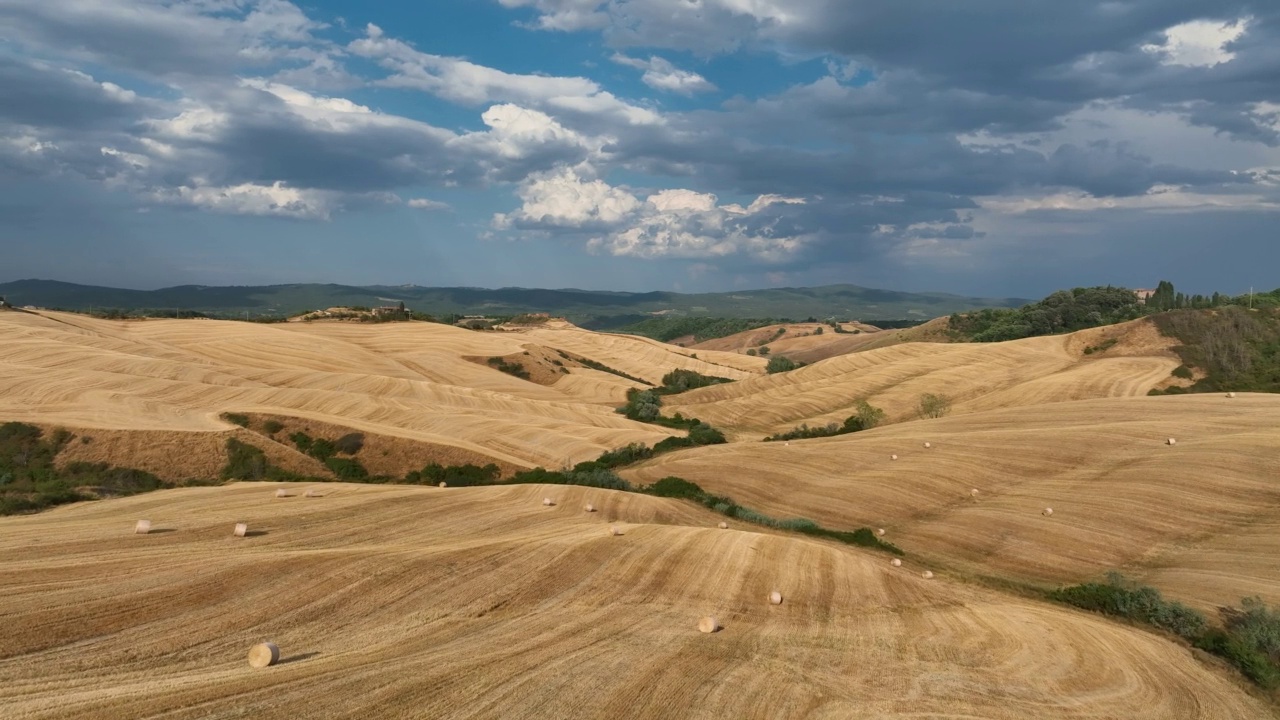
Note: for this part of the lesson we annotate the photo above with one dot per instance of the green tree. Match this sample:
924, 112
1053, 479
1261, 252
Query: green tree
933, 406
779, 364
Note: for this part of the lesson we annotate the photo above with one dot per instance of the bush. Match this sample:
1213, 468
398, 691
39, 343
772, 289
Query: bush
678, 381
751, 352
933, 406
347, 468
867, 416
1183, 372
272, 426
244, 462
511, 368
322, 450
779, 364
633, 453
349, 444
236, 418
302, 441
1123, 598
674, 487
642, 405
455, 475
804, 432
764, 351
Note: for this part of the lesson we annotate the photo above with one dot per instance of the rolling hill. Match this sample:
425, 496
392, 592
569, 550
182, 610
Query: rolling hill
482, 602
603, 308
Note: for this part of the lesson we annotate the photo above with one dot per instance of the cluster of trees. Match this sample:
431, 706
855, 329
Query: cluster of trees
1063, 311
678, 381
1237, 349
30, 480
865, 417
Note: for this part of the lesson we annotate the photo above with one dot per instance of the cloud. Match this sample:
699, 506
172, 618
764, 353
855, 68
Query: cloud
1199, 43
660, 74
671, 223
426, 204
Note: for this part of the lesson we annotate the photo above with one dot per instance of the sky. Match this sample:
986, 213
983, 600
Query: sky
990, 147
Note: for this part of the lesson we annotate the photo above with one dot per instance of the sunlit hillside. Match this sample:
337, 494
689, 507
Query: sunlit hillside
483, 602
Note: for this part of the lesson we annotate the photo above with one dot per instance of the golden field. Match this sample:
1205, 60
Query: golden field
406, 602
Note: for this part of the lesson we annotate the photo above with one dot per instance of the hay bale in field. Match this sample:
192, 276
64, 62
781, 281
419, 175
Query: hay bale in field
282, 493
264, 654
928, 445
1048, 511
312, 492
444, 484
973, 492
241, 529
880, 532
1231, 394
895, 562
926, 575
142, 527
724, 525
893, 457
708, 624
775, 598
589, 508
548, 502
615, 531
1171, 441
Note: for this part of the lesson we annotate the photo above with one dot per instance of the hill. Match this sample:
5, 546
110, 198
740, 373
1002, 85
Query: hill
604, 309
1033, 371
482, 602
416, 381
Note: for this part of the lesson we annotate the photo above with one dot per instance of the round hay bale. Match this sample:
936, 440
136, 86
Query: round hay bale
241, 529
444, 484
895, 562
615, 531
724, 525
282, 493
928, 445
1171, 441
880, 532
264, 654
312, 492
1048, 511
708, 624
142, 527
893, 457
974, 492
548, 502
775, 598
927, 575
1231, 395
589, 508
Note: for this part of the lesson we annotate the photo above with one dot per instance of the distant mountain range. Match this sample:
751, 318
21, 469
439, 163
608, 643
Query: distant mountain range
592, 307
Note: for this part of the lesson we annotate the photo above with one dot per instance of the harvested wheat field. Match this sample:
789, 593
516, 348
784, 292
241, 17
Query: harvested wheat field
401, 602
410, 380
1121, 497
977, 377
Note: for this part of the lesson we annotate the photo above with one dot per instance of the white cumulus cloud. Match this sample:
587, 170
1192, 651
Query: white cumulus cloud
660, 74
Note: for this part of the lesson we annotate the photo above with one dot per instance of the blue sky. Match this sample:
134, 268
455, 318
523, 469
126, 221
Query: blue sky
992, 147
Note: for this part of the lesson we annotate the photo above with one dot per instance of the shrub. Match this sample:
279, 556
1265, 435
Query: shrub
804, 432
764, 351
678, 381
751, 352
272, 426
868, 415
511, 368
244, 462
642, 405
237, 418
1124, 598
349, 444
302, 441
633, 453
674, 487
322, 450
347, 468
455, 475
1183, 372
780, 363
933, 406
